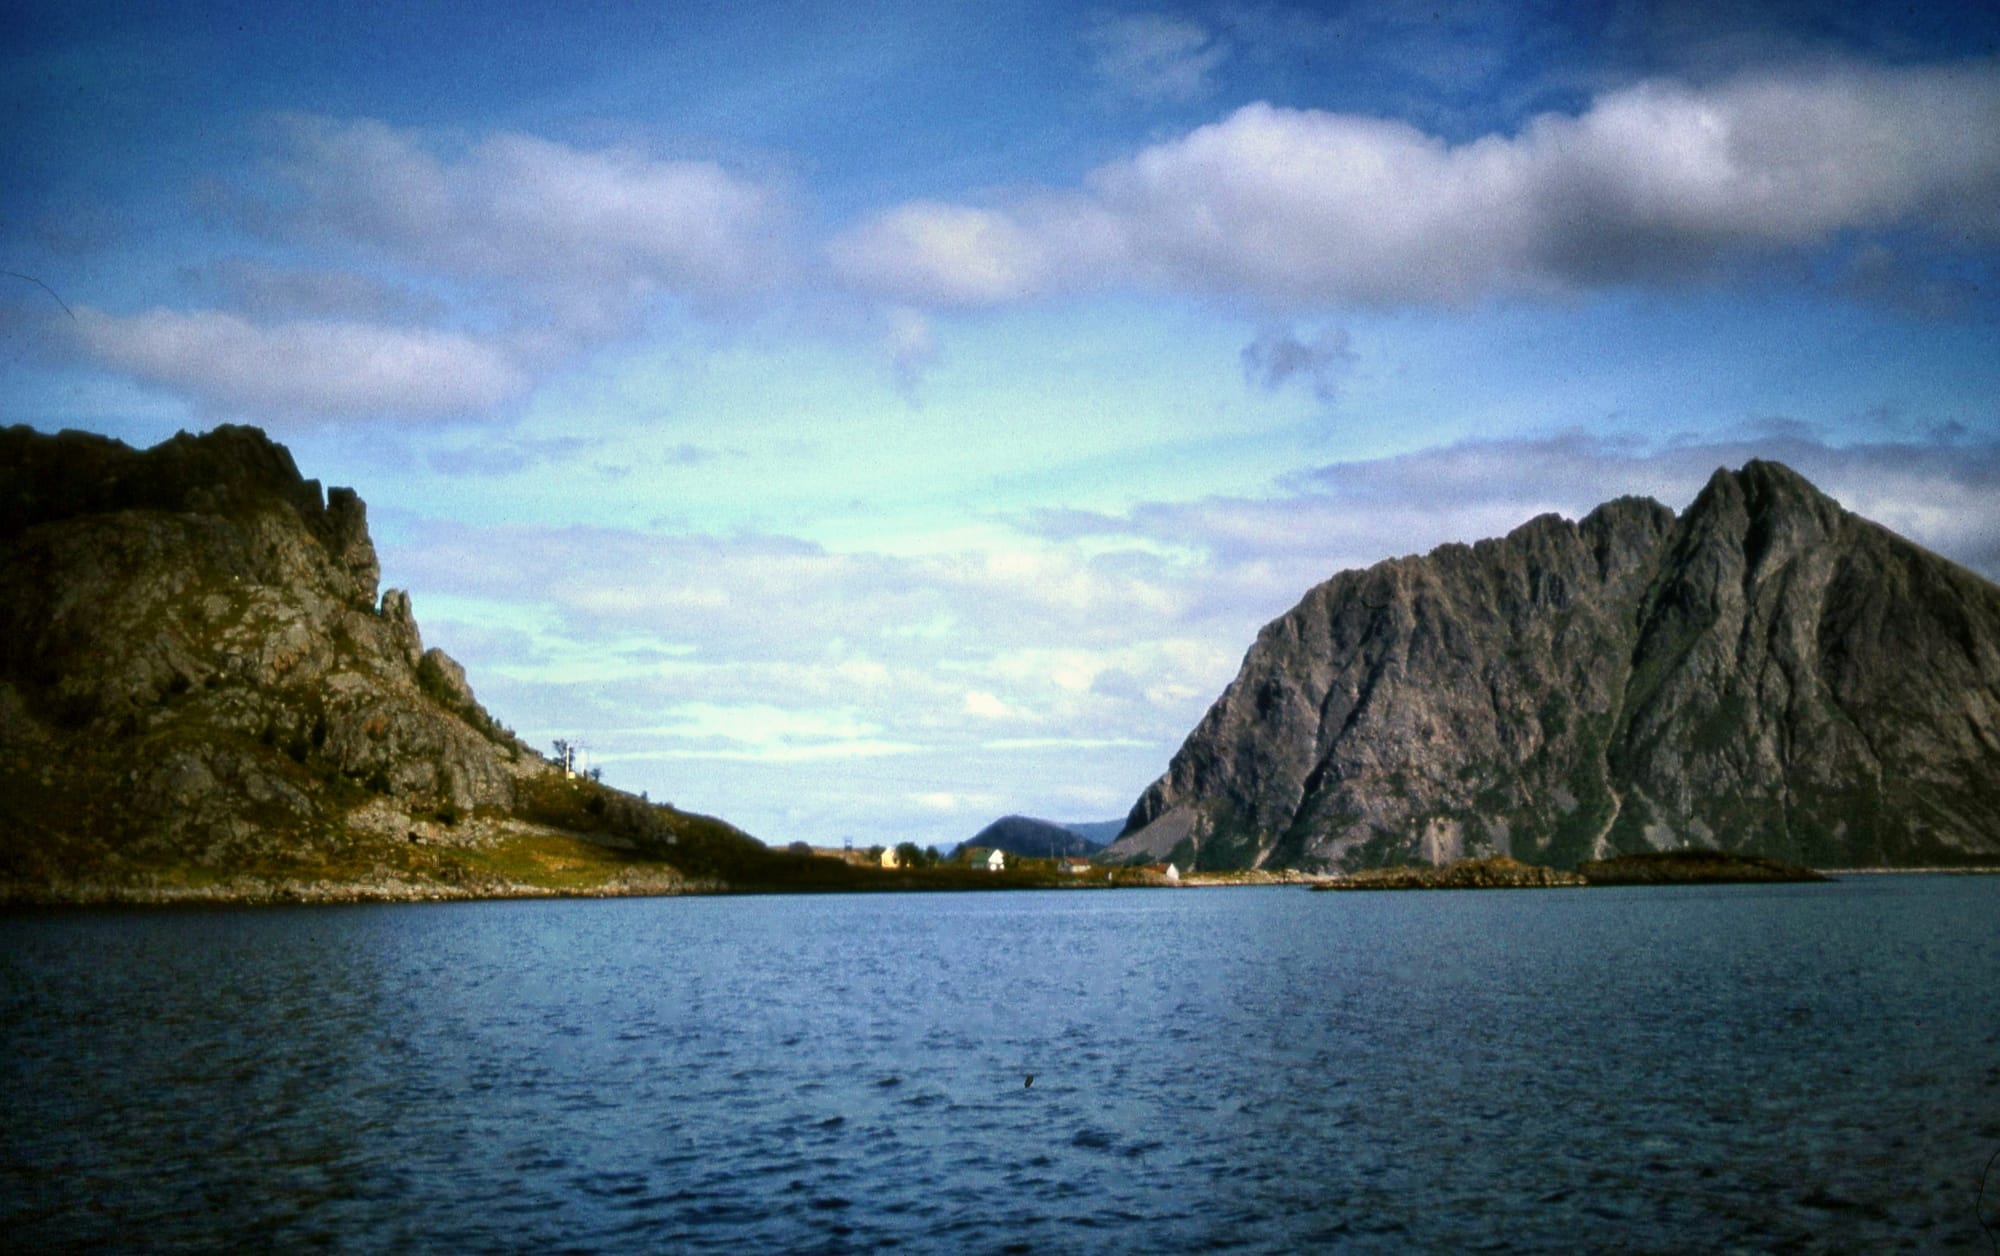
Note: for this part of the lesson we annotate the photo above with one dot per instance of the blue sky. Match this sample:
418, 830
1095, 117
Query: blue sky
864, 421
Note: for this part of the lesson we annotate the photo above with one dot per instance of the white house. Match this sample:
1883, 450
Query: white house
996, 861
1173, 875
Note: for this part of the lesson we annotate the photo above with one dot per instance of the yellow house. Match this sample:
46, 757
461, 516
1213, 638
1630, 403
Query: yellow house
889, 857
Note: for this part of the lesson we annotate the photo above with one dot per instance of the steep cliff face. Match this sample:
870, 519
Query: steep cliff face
1766, 673
197, 677
1807, 685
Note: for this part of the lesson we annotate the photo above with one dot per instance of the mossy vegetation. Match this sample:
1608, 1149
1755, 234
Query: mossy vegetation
434, 684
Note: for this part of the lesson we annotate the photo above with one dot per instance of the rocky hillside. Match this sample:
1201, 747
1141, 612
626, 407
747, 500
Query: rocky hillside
201, 692
1765, 674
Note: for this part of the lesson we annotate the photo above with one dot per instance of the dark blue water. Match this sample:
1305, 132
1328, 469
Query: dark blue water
1790, 1068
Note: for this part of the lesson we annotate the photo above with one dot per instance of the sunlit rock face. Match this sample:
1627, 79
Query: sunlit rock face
1765, 673
195, 665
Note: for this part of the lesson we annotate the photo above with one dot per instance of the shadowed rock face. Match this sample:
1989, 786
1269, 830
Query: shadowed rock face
194, 659
1765, 674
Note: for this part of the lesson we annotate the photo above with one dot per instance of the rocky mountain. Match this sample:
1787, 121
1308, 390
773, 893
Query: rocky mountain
201, 692
1035, 839
1766, 674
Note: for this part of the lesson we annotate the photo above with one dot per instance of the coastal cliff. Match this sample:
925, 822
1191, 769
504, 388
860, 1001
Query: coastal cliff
1764, 674
203, 694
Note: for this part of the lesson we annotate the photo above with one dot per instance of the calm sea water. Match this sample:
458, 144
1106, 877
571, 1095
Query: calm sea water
1758, 1068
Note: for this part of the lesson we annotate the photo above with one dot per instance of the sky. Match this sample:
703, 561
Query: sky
862, 421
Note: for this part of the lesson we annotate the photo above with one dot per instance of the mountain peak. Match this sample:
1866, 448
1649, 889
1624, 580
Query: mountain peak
1763, 486
1763, 673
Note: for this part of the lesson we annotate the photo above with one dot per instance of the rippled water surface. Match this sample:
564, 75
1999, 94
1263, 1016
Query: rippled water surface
1798, 1068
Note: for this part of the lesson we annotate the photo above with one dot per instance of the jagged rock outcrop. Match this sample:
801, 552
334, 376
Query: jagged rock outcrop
1765, 674
199, 679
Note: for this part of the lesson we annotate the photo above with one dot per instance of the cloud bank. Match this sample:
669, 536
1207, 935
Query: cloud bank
464, 272
452, 273
992, 670
1657, 182
311, 368
1943, 494
590, 234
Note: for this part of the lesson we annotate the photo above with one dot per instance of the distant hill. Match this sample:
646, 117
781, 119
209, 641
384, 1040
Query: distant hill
1764, 674
1035, 839
1099, 832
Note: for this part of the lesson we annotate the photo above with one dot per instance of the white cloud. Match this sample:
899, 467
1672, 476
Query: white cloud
590, 235
721, 590
271, 293
431, 247
314, 369
764, 732
1654, 182
777, 645
948, 255
986, 706
1153, 58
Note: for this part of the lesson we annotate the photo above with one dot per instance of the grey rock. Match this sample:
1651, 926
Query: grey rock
193, 658
1766, 674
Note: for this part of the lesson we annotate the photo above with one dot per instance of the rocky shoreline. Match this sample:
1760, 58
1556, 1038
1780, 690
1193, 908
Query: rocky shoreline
1680, 867
1692, 867
269, 891
1498, 873
1968, 870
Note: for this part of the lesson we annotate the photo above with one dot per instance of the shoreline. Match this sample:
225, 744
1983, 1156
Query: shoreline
260, 892
1978, 871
